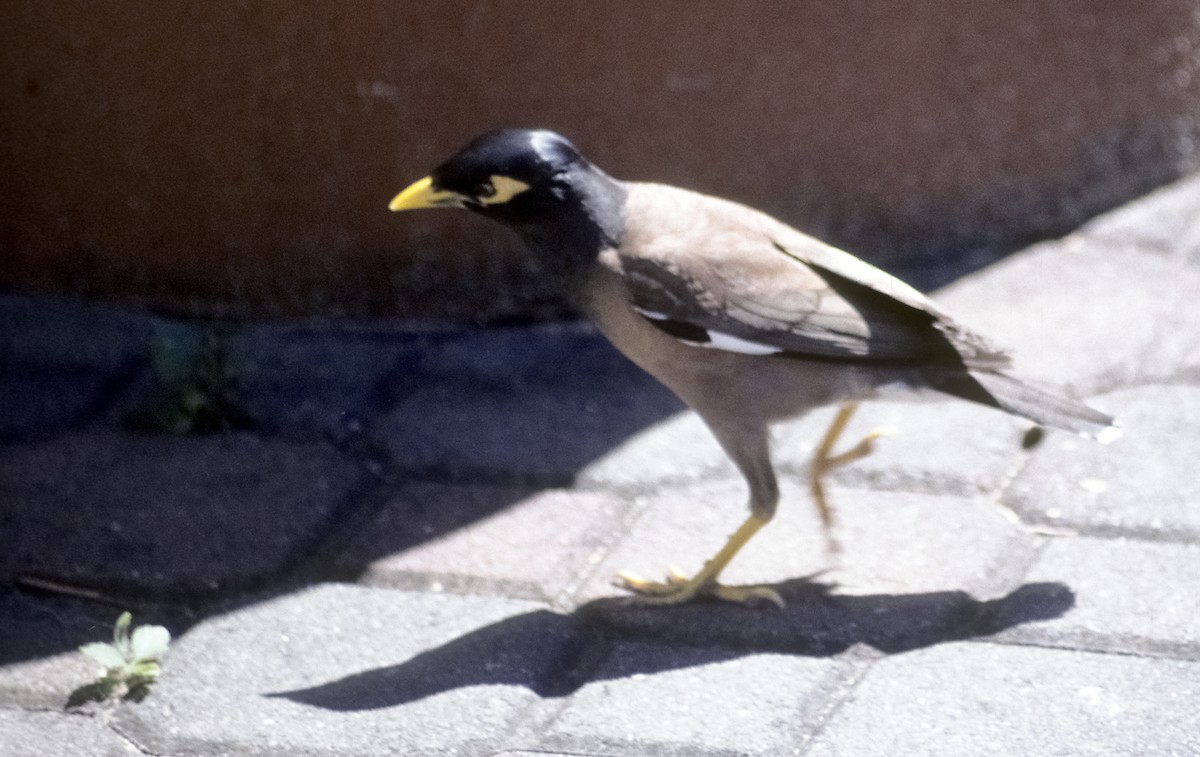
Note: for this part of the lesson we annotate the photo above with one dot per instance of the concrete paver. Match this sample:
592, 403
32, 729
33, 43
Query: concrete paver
38, 734
891, 541
46, 683
49, 332
1087, 317
304, 382
160, 512
1141, 485
53, 400
984, 699
678, 449
1163, 221
534, 405
652, 699
523, 543
1132, 597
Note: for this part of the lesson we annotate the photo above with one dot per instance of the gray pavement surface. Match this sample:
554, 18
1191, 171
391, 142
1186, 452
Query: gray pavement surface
403, 544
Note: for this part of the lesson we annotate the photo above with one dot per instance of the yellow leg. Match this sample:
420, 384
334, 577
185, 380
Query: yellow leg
678, 588
824, 461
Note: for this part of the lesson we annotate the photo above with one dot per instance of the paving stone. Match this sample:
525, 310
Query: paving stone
44, 331
986, 699
1087, 316
520, 405
36, 402
933, 445
1144, 483
39, 734
677, 449
520, 542
311, 381
890, 541
901, 582
47, 682
1167, 220
169, 514
1133, 597
63, 363
661, 700
353, 671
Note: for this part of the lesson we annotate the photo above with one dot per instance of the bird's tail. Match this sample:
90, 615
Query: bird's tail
1038, 405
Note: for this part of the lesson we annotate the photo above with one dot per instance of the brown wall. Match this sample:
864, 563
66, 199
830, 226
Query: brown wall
233, 157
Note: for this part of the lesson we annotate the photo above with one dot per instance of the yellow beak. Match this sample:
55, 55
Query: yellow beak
421, 194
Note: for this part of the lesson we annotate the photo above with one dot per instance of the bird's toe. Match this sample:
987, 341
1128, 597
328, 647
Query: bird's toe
678, 589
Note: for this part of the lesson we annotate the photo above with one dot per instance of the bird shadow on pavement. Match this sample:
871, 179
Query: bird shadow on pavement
554, 654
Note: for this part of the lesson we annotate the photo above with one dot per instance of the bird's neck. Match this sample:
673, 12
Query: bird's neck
568, 242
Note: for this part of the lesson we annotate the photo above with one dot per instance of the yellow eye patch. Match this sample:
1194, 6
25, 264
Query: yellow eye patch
503, 190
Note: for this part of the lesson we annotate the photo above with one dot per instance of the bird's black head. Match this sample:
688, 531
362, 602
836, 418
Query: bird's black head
533, 180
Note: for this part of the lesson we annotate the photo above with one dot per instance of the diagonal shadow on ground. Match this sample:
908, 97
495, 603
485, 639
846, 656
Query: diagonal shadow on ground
554, 655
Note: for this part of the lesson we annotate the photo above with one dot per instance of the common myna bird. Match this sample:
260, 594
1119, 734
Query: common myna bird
748, 320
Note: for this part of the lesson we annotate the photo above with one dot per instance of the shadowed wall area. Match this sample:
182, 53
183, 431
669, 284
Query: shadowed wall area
236, 158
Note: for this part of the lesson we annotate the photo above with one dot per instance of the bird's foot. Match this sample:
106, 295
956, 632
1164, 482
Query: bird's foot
678, 588
824, 462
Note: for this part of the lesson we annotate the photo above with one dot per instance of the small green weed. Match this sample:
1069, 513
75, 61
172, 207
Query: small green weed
199, 389
131, 663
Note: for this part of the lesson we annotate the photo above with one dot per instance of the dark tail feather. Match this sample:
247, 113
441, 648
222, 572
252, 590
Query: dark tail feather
1042, 407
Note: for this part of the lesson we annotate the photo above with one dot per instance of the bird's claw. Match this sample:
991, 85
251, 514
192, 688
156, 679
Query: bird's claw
748, 595
678, 588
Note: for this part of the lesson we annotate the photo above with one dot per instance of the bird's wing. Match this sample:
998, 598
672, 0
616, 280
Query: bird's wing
732, 278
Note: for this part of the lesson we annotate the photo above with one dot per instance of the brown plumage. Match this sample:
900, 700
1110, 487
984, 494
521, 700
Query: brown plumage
748, 320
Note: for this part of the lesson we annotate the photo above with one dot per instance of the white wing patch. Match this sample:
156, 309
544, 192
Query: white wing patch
729, 343
651, 314
716, 339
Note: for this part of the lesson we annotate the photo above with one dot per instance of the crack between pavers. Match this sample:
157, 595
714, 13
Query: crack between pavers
998, 496
841, 689
300, 567
482, 476
715, 473
454, 584
1023, 549
1034, 524
568, 598
104, 718
1156, 649
530, 725
1112, 531
130, 742
936, 484
318, 559
1111, 241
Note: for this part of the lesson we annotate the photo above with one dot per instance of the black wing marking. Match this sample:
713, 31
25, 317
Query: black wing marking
836, 317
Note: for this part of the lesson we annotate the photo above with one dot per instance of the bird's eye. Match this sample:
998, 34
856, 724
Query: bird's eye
484, 190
